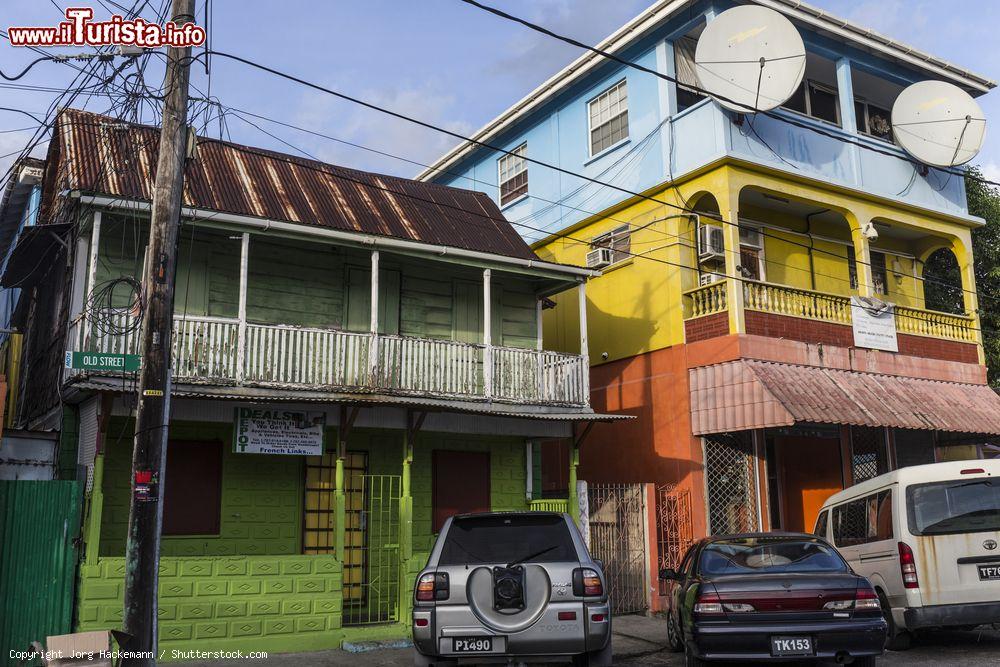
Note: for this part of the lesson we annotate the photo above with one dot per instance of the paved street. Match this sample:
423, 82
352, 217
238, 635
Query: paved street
639, 642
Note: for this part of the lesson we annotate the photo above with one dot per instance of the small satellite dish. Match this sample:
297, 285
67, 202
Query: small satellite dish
750, 57
938, 123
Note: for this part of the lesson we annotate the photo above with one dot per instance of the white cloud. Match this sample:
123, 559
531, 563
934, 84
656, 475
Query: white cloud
991, 170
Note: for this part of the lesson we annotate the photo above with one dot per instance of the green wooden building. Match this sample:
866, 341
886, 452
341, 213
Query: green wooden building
356, 357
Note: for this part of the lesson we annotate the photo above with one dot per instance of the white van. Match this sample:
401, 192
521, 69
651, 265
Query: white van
926, 537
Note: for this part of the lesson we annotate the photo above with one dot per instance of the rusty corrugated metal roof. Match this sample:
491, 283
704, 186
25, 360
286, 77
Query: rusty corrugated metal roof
101, 155
750, 394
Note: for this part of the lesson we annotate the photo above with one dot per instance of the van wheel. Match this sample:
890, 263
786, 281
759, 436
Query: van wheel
674, 641
895, 639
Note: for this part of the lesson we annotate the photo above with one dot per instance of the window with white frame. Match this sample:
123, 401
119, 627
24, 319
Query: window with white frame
512, 172
751, 252
608, 113
618, 241
873, 120
816, 100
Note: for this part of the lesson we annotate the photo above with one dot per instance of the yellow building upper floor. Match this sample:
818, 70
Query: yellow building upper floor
741, 249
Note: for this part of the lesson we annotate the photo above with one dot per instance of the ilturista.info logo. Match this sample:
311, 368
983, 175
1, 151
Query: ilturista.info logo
79, 29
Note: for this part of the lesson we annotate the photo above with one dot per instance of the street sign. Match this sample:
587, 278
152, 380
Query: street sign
103, 361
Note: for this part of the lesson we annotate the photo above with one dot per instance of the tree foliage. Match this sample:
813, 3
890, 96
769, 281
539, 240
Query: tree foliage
984, 201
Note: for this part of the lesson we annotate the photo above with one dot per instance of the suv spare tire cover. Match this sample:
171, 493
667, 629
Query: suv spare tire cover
537, 589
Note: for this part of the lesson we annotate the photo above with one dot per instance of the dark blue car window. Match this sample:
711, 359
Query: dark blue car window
769, 556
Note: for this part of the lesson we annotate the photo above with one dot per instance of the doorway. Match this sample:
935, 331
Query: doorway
808, 470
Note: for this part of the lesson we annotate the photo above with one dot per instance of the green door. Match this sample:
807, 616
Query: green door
359, 300
468, 321
39, 524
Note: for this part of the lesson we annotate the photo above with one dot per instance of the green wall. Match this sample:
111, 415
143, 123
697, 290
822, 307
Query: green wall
261, 497
306, 283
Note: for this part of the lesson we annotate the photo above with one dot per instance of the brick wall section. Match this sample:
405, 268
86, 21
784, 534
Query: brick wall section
936, 348
709, 326
798, 328
841, 335
269, 603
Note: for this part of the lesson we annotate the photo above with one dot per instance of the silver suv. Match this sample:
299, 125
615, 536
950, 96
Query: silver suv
512, 587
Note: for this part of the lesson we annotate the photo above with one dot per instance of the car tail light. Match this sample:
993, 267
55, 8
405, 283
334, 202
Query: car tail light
597, 618
973, 471
587, 582
420, 622
738, 607
908, 566
866, 600
708, 603
567, 616
432, 586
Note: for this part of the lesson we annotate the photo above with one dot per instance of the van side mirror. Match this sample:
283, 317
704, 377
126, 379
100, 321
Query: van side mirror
669, 574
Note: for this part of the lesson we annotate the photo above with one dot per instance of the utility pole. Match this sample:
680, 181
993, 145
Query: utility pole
142, 554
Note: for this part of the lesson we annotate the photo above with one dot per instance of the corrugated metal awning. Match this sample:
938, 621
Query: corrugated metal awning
749, 394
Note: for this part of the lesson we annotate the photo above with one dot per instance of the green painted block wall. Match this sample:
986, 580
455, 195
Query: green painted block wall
261, 497
256, 603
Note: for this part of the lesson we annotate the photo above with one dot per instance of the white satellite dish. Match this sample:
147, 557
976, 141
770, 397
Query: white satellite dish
750, 57
938, 123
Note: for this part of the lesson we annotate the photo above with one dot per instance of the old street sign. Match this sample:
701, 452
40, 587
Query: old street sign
874, 324
277, 431
103, 361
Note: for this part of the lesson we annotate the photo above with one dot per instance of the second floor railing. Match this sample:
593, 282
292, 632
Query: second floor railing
207, 350
820, 306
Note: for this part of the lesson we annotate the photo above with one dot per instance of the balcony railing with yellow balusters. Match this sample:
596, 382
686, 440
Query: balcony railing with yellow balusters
820, 306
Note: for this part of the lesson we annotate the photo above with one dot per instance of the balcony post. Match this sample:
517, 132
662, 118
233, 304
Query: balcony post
729, 209
848, 120
487, 334
862, 256
241, 335
584, 343
373, 361
962, 249
95, 240
539, 358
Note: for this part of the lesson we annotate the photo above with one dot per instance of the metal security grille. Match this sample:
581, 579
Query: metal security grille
868, 453
673, 524
618, 539
373, 534
319, 522
731, 483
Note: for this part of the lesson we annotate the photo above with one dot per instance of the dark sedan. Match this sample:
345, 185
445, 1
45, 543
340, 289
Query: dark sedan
771, 596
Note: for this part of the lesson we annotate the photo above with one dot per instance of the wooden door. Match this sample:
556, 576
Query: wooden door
810, 471
461, 484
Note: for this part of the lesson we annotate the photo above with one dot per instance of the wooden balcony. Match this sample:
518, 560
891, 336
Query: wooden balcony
214, 350
791, 302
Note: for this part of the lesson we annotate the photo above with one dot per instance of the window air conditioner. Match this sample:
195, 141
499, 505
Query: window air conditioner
599, 257
710, 243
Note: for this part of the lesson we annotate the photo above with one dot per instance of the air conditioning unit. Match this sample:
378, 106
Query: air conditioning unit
711, 244
709, 278
599, 257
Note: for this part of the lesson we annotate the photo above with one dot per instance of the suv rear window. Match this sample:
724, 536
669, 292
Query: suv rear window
764, 555
954, 507
505, 539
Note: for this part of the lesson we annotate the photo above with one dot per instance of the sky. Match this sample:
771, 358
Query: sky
439, 60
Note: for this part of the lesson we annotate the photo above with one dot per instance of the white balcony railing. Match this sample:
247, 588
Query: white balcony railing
207, 350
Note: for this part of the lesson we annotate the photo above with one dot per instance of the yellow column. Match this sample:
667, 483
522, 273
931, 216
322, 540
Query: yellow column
729, 210
962, 247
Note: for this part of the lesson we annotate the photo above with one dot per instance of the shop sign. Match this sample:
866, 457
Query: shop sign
874, 323
278, 431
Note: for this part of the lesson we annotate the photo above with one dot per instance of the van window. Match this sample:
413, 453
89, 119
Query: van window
821, 522
953, 507
850, 523
863, 520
